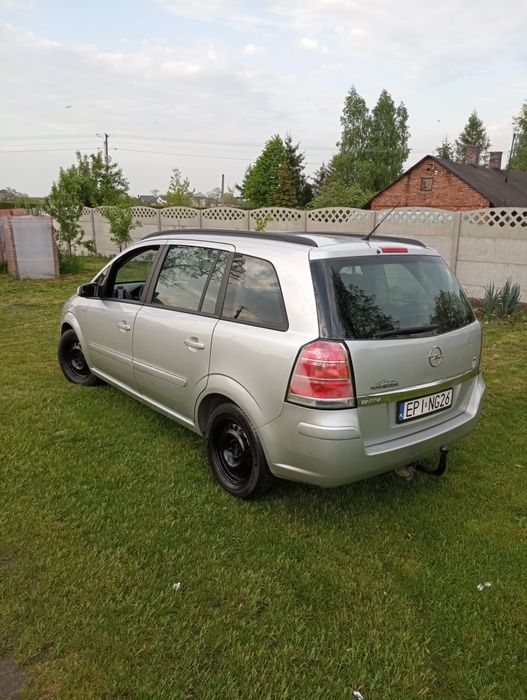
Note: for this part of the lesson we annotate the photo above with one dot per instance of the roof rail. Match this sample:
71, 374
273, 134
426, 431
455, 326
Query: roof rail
398, 239
298, 238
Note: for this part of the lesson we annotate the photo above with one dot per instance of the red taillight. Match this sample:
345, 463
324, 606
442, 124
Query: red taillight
393, 249
322, 377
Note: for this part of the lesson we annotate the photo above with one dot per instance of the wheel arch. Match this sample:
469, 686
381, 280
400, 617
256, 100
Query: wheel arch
69, 322
221, 389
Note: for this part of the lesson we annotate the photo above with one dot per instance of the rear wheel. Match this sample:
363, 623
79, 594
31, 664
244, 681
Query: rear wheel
72, 361
235, 453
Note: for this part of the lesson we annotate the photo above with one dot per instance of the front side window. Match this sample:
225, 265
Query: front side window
253, 294
190, 278
127, 277
388, 297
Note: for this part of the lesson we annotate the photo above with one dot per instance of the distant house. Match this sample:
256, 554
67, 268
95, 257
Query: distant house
148, 199
433, 182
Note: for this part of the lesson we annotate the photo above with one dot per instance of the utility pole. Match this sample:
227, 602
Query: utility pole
511, 155
222, 187
106, 156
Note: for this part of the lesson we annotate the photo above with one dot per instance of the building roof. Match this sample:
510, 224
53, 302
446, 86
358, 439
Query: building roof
493, 184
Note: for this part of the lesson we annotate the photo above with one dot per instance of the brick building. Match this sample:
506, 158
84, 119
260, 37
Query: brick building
441, 184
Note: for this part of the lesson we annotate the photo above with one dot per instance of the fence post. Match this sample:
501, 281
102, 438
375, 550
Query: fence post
159, 219
456, 231
92, 222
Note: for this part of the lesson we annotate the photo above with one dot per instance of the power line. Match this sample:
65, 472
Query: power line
179, 155
45, 138
49, 150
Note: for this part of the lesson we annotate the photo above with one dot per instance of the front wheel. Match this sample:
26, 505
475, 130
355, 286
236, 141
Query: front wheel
72, 361
235, 454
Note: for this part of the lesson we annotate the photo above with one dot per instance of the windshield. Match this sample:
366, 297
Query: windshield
388, 296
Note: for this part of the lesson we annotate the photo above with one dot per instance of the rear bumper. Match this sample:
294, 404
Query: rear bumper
326, 447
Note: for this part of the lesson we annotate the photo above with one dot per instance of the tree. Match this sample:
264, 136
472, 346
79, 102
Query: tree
179, 193
318, 179
387, 143
519, 156
99, 183
285, 194
230, 199
64, 204
335, 193
474, 134
121, 222
446, 150
295, 160
372, 150
261, 179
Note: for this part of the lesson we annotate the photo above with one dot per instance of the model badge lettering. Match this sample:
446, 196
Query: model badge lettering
384, 384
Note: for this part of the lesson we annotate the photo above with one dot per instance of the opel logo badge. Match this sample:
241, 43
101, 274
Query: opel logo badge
435, 356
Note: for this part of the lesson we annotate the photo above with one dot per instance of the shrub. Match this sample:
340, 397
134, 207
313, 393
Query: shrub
69, 264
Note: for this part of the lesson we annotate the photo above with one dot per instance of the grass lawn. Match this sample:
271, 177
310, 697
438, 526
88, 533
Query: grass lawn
125, 572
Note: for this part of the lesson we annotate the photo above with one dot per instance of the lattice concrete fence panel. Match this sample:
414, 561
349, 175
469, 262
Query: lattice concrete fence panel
278, 219
339, 220
31, 247
229, 218
493, 247
436, 228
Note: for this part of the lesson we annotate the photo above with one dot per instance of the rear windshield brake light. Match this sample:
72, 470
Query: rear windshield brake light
392, 249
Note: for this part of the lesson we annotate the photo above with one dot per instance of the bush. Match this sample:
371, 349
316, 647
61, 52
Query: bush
69, 264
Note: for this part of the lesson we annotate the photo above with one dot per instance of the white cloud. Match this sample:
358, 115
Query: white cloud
253, 50
313, 45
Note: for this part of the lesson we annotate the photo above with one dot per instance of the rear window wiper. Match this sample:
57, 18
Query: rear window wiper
403, 331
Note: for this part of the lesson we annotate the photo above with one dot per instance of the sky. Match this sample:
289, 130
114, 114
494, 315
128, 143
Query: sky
202, 85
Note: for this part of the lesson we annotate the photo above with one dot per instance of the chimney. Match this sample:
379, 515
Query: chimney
472, 155
495, 159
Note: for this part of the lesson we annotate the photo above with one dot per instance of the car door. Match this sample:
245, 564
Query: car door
109, 321
173, 330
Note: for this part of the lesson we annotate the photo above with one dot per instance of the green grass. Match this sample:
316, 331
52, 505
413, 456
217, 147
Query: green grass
105, 505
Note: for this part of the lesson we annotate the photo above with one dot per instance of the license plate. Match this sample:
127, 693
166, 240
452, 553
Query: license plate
424, 405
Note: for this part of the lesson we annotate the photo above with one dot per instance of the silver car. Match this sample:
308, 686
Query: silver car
316, 358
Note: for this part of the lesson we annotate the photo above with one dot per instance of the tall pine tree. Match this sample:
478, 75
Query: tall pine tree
268, 182
474, 134
372, 150
388, 142
519, 156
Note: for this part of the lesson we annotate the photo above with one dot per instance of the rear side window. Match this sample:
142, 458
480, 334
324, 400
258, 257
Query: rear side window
388, 297
253, 294
190, 276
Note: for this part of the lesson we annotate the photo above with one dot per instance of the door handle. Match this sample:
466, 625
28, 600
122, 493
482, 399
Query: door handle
194, 343
123, 326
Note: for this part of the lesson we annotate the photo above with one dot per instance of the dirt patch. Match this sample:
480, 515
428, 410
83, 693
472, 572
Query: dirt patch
13, 678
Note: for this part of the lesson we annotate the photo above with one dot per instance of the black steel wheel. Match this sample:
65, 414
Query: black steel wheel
72, 361
235, 453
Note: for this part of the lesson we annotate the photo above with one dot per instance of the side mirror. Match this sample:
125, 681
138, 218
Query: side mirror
90, 291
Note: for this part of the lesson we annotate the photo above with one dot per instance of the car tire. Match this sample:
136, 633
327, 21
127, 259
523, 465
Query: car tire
235, 453
72, 361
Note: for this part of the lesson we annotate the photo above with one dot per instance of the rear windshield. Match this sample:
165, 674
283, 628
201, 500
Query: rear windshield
388, 296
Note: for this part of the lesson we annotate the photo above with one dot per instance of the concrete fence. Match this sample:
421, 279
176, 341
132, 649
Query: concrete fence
482, 246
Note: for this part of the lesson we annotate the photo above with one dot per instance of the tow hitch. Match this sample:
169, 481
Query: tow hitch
441, 465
